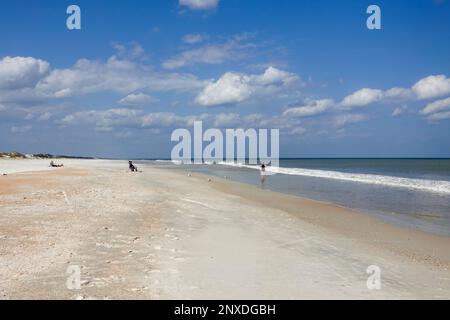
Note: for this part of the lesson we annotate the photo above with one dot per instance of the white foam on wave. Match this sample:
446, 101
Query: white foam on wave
176, 162
435, 186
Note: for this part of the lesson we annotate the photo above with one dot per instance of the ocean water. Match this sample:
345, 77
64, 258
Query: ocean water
413, 193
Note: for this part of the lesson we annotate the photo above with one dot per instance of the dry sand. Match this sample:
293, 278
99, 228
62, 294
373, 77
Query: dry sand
164, 234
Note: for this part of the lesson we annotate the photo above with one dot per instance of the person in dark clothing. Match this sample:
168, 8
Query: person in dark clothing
132, 167
53, 165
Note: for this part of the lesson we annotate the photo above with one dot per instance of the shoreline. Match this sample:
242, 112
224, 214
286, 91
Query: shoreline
288, 203
175, 236
403, 207
335, 218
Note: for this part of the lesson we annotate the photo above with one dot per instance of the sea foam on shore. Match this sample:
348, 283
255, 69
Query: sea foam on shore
436, 186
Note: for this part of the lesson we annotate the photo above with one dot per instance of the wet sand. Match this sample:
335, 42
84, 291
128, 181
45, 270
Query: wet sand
164, 234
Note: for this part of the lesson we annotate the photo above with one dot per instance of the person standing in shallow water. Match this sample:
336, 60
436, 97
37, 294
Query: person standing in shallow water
263, 175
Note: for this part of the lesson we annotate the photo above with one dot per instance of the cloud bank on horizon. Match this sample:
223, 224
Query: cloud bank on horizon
126, 100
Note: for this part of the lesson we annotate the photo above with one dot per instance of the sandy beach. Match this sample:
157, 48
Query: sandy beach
167, 234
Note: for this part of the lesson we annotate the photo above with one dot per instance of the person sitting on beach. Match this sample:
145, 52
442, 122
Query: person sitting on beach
132, 167
54, 165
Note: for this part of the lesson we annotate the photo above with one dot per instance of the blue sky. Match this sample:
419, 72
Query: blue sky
139, 69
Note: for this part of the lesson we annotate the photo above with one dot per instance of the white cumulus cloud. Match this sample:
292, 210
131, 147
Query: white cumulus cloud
230, 88
362, 98
298, 131
432, 87
137, 99
344, 119
439, 116
399, 93
311, 108
436, 106
230, 50
399, 111
195, 38
21, 72
227, 119
234, 88
105, 119
88, 76
20, 129
429, 87
199, 4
